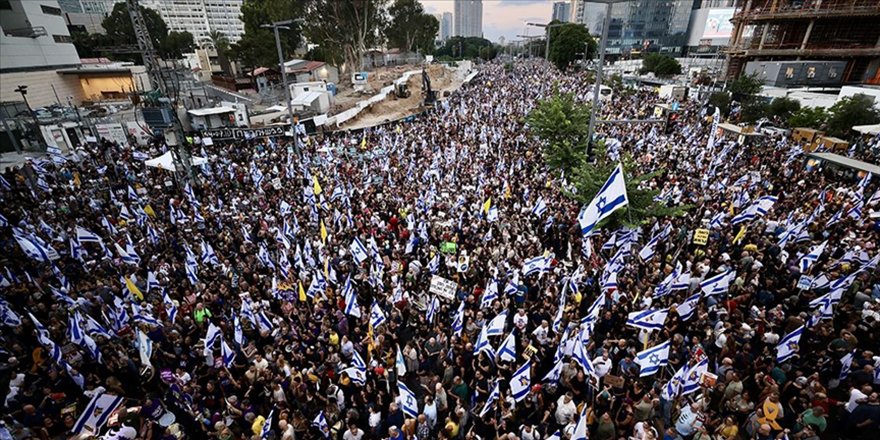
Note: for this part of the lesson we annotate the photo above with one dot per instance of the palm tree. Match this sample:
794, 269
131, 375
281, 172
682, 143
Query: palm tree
221, 44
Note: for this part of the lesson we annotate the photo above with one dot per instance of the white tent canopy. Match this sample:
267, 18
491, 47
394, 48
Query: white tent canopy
867, 129
166, 162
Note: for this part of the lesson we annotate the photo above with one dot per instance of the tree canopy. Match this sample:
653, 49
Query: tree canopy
345, 29
465, 47
410, 28
660, 65
850, 111
256, 48
568, 40
120, 32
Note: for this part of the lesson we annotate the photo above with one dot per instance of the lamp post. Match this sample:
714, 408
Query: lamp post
285, 24
602, 45
547, 30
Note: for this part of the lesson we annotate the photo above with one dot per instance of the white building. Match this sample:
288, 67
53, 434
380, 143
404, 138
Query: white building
34, 44
201, 17
468, 18
445, 20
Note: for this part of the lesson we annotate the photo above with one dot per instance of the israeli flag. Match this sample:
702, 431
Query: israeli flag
757, 209
580, 429
718, 284
358, 362
433, 307
357, 375
692, 380
320, 422
687, 309
683, 282
351, 304
96, 413
170, 308
649, 319
358, 250
399, 363
434, 264
611, 197
227, 352
540, 207
579, 354
152, 282
238, 335
408, 401
789, 345
490, 401
458, 321
647, 252
555, 373
492, 215
85, 236
377, 316
534, 265
490, 294
811, 257
496, 326
652, 359
521, 381
145, 348
8, 316
33, 249
507, 352
213, 335
267, 425
673, 388
846, 365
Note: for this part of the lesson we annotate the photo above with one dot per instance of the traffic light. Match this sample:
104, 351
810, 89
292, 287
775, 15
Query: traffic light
671, 122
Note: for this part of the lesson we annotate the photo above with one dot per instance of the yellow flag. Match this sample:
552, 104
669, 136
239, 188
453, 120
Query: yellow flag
76, 180
323, 232
315, 185
149, 210
326, 267
302, 292
133, 289
487, 205
363, 142
507, 193
740, 235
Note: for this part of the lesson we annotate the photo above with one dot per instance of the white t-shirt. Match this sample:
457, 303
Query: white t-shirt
602, 366
349, 436
521, 321
565, 412
854, 395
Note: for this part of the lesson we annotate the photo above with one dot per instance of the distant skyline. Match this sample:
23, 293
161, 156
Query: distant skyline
503, 18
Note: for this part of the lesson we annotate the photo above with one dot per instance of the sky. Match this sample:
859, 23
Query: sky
505, 18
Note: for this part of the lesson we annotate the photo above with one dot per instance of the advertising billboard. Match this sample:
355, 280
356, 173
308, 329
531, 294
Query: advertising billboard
718, 23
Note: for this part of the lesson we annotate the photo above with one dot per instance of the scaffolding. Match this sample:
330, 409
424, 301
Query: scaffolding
808, 29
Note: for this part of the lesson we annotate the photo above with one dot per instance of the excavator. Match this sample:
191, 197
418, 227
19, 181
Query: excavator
430, 94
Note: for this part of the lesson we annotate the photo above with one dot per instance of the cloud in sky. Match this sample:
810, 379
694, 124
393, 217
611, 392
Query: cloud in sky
505, 18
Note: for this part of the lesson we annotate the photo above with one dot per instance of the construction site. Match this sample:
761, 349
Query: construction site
789, 30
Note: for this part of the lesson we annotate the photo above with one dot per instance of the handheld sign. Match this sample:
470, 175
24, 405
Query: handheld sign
443, 288
701, 236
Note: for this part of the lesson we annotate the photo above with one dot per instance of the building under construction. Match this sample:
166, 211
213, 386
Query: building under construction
785, 30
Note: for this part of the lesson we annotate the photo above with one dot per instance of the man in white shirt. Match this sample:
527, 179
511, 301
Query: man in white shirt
521, 319
855, 396
542, 333
565, 409
353, 433
602, 364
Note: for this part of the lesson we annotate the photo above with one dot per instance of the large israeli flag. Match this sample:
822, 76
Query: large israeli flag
97, 412
789, 345
408, 402
610, 197
521, 381
652, 359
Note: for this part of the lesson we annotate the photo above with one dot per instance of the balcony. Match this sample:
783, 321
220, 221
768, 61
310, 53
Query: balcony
27, 32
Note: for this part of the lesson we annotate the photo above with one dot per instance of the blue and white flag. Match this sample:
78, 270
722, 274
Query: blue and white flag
33, 249
540, 207
687, 308
358, 362
399, 363
145, 348
490, 294
555, 373
408, 402
521, 381
170, 308
717, 284
789, 345
692, 380
433, 307
538, 264
96, 413
651, 360
673, 388
579, 354
458, 320
267, 425
757, 209
320, 422
611, 196
846, 365
85, 236
358, 251
580, 429
351, 303
227, 353
490, 401
377, 316
647, 252
357, 375
434, 264
649, 319
496, 326
507, 351
811, 257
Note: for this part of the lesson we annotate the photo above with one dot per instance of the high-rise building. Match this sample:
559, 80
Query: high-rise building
641, 24
201, 17
832, 30
561, 11
468, 18
445, 25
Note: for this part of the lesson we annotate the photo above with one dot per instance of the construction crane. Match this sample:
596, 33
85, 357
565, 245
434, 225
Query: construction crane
158, 110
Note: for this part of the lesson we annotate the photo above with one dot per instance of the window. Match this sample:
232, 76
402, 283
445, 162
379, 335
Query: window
789, 72
62, 38
811, 72
51, 10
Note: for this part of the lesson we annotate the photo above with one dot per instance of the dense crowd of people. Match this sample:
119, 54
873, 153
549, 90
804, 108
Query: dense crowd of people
430, 280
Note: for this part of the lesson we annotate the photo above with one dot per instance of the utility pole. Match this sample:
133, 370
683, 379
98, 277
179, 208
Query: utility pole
285, 24
547, 33
602, 45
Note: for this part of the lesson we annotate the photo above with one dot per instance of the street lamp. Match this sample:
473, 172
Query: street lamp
547, 30
602, 45
285, 24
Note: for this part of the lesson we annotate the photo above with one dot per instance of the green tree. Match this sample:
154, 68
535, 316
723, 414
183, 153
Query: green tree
754, 109
783, 108
810, 117
256, 48
849, 111
566, 41
410, 28
465, 48
221, 44
660, 65
346, 28
720, 100
561, 124
120, 31
175, 44
746, 86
